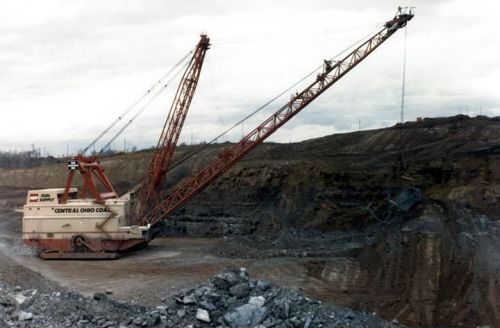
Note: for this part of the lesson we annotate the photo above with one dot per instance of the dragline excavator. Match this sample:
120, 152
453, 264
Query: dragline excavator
98, 224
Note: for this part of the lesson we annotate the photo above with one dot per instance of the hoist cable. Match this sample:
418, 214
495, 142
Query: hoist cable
403, 89
282, 35
136, 103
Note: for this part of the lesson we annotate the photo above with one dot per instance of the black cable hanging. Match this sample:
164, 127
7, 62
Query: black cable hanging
403, 89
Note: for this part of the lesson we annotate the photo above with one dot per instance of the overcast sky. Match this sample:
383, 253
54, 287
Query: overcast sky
69, 68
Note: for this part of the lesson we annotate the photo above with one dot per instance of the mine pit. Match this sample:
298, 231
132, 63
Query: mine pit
394, 226
433, 265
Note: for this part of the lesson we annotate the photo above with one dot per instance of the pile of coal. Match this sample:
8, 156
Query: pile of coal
230, 299
30, 308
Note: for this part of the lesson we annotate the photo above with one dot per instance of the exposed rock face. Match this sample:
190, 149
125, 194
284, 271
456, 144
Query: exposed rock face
328, 183
438, 266
442, 268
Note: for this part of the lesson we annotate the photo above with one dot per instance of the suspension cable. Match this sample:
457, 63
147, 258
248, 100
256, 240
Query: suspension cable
150, 100
137, 102
403, 89
202, 147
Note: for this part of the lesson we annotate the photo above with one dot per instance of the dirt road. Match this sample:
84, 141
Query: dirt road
172, 264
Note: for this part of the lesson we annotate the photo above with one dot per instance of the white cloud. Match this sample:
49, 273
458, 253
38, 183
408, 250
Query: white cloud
70, 67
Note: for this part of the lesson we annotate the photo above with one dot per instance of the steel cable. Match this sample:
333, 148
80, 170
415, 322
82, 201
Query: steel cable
136, 103
143, 107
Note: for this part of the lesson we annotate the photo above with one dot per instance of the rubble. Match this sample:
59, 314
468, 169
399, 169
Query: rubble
203, 315
232, 299
228, 300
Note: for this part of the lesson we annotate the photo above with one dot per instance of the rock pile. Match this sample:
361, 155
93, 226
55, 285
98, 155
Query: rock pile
29, 308
228, 300
231, 299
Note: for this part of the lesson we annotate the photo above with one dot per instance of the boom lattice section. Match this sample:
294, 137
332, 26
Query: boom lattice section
162, 157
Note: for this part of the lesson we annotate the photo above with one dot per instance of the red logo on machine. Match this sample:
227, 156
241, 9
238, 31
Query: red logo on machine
33, 198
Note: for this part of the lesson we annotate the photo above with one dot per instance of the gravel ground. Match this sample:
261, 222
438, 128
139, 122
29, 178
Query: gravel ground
228, 299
